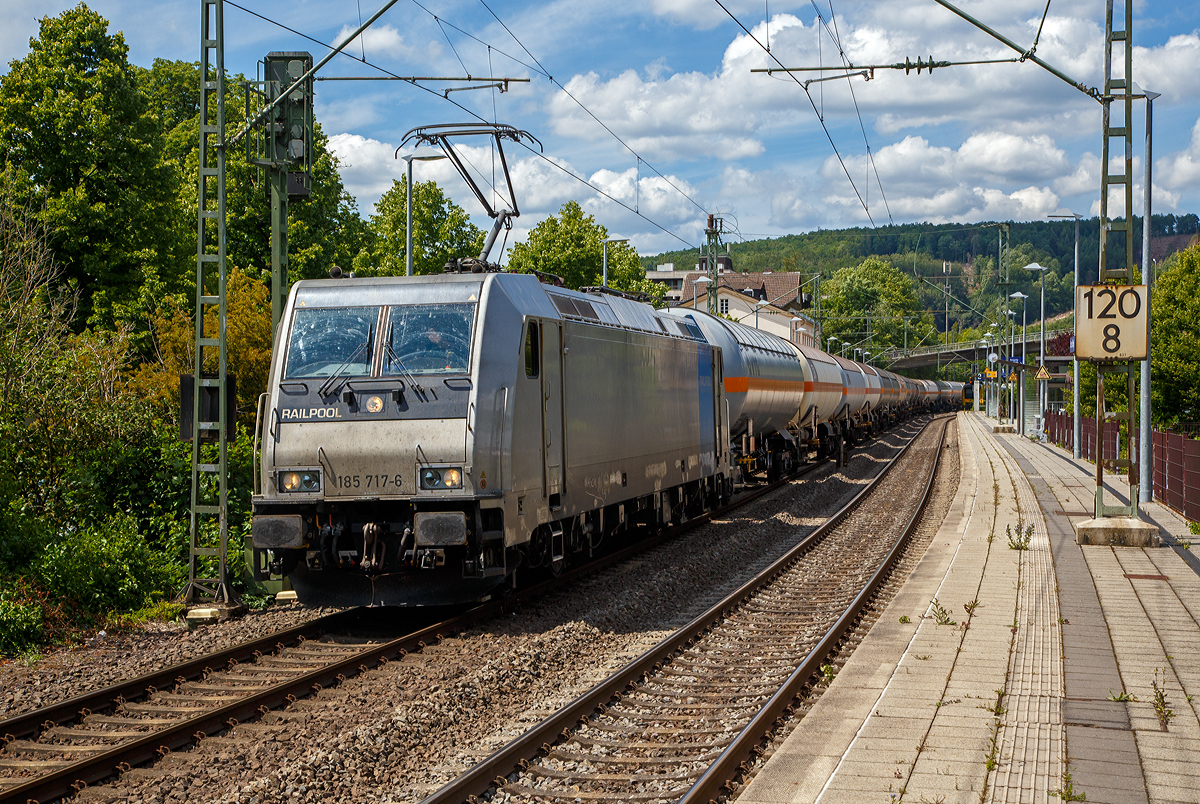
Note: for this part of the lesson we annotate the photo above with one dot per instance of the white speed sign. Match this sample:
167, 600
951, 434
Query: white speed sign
1110, 322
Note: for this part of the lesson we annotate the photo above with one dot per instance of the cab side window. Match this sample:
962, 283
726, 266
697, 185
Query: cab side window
532, 350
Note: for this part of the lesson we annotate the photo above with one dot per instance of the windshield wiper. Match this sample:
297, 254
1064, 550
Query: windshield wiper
412, 381
327, 386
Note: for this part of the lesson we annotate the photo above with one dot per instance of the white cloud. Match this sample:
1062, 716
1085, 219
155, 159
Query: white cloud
1170, 70
380, 39
938, 183
1182, 170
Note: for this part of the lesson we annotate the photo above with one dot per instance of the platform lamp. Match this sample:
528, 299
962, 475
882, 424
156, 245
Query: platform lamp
1021, 393
984, 343
1012, 348
700, 280
419, 155
1077, 423
758, 305
832, 340
1042, 386
604, 274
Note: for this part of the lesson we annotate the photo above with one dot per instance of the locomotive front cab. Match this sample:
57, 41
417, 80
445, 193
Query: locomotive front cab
368, 495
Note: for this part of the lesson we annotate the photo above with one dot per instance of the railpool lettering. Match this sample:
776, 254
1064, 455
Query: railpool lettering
309, 414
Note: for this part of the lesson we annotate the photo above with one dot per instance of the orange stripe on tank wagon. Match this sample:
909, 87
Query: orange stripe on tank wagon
740, 385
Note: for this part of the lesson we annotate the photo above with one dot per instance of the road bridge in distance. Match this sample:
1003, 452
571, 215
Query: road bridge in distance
966, 351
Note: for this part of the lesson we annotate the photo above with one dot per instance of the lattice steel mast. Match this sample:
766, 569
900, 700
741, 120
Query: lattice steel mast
210, 481
1119, 89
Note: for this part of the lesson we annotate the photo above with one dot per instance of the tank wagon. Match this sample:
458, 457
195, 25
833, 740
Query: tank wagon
426, 437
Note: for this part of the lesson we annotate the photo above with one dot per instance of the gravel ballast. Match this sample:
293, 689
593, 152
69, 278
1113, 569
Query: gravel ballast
401, 731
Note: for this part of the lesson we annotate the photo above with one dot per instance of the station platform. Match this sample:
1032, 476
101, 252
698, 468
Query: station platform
1039, 674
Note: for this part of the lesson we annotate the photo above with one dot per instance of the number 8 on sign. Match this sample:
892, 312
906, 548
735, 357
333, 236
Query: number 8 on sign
1111, 322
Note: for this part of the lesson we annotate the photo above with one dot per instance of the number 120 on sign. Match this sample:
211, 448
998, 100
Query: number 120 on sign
1110, 322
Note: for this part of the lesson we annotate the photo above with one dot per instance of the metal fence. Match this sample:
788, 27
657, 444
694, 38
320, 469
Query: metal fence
1176, 459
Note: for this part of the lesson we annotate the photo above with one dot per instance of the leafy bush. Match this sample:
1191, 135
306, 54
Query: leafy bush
21, 623
106, 567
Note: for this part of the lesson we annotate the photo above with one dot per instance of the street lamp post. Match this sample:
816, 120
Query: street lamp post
1078, 422
700, 280
408, 203
1042, 386
1145, 448
604, 274
832, 340
1012, 349
758, 305
982, 342
1021, 379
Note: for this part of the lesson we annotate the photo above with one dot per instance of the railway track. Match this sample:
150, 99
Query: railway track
58, 750
679, 723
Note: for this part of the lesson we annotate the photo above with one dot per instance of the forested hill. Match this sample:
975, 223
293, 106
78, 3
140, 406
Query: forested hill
926, 245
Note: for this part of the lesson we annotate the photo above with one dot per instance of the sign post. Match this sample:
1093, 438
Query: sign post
1110, 331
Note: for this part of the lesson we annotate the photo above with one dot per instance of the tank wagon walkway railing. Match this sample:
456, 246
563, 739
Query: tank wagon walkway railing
1176, 458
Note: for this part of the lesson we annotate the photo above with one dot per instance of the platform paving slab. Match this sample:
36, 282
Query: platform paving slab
929, 732
1084, 625
1148, 600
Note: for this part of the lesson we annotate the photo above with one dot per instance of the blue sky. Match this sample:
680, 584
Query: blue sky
672, 79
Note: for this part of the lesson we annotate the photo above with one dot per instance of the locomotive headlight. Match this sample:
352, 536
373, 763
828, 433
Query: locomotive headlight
431, 479
374, 404
303, 481
434, 479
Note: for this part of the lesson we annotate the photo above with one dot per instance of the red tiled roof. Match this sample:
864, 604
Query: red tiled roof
779, 289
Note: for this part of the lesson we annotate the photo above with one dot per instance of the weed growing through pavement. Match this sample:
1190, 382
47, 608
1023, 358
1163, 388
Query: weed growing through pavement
1161, 709
1121, 697
940, 615
905, 619
1067, 791
1021, 539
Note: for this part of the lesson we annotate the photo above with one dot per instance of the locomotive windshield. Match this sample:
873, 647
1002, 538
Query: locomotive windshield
326, 340
428, 339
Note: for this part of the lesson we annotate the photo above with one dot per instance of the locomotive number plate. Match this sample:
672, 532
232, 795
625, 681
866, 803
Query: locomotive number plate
375, 482
1110, 322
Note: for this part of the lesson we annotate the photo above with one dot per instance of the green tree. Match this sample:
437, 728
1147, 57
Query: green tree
571, 246
441, 230
877, 289
84, 143
1175, 333
323, 230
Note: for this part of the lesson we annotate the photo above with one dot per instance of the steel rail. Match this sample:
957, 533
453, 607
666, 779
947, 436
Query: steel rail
717, 779
30, 724
131, 753
491, 771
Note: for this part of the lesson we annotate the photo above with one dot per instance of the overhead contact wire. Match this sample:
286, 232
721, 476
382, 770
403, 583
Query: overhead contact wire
617, 201
472, 113
812, 103
351, 56
578, 103
837, 40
